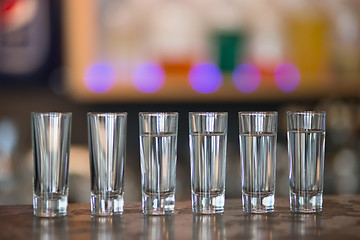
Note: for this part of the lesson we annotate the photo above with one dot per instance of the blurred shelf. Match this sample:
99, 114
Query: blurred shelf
88, 42
179, 90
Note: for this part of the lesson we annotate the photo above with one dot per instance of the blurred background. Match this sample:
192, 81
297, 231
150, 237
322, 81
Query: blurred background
178, 55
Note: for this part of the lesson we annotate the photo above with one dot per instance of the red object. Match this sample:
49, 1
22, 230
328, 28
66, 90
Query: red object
6, 7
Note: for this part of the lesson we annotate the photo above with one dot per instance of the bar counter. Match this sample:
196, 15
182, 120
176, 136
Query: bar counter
340, 219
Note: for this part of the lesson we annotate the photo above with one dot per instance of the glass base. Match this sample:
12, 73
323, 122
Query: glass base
50, 206
158, 204
258, 203
102, 205
306, 202
207, 203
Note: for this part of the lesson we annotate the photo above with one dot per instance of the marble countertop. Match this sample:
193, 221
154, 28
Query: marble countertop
340, 219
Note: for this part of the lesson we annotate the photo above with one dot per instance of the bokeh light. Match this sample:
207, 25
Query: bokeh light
287, 77
206, 78
246, 78
99, 78
148, 78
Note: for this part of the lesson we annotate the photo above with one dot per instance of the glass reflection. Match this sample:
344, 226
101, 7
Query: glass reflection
50, 228
158, 227
107, 227
258, 227
207, 227
306, 225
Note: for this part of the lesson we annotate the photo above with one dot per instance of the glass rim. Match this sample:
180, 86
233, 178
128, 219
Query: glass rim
100, 114
300, 113
52, 113
154, 114
253, 113
208, 113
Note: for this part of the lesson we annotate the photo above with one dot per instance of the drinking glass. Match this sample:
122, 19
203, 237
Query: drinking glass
207, 143
51, 143
107, 138
257, 137
158, 149
306, 151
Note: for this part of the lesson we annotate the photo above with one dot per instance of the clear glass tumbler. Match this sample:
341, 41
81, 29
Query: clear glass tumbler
107, 149
306, 150
158, 154
207, 143
51, 144
257, 137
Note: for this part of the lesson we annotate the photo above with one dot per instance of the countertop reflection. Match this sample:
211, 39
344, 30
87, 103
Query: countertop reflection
340, 219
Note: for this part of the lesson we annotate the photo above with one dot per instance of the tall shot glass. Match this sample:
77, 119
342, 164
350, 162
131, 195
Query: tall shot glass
158, 154
51, 144
257, 137
207, 143
107, 148
306, 151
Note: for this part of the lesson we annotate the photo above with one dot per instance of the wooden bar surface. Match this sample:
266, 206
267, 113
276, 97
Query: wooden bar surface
340, 219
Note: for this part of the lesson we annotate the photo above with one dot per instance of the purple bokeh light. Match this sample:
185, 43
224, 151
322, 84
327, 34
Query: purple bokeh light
148, 78
99, 78
206, 78
246, 78
287, 77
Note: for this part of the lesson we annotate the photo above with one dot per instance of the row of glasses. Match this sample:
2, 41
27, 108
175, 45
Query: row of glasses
158, 156
306, 153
